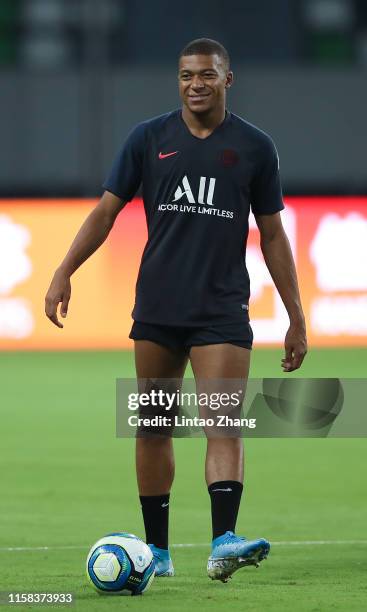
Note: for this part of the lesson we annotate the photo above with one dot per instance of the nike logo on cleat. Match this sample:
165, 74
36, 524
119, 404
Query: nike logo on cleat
164, 505
164, 155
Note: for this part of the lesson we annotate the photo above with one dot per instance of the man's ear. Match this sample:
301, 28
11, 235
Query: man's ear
229, 79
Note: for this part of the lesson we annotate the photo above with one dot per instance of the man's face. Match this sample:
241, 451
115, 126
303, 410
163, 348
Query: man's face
203, 80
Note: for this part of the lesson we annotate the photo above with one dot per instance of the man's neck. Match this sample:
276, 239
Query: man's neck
203, 124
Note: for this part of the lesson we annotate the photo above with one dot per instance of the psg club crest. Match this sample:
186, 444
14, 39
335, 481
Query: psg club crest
229, 158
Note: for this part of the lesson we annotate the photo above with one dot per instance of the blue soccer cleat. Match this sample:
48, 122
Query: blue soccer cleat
230, 552
163, 561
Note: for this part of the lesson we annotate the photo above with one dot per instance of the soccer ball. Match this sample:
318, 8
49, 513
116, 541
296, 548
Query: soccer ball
120, 564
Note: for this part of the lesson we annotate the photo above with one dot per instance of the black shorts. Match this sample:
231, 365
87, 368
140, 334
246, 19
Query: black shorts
175, 338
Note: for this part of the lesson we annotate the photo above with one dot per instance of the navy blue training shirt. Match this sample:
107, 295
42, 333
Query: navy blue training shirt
197, 196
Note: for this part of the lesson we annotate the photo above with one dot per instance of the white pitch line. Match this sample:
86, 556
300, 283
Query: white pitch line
188, 545
285, 543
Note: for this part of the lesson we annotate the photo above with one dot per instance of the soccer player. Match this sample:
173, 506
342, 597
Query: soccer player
202, 168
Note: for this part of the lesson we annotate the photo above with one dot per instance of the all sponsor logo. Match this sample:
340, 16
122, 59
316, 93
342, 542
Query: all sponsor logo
199, 198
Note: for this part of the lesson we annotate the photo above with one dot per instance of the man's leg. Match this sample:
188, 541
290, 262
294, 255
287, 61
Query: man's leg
225, 456
154, 455
224, 464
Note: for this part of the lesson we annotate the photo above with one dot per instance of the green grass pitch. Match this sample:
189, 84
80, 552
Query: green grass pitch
67, 480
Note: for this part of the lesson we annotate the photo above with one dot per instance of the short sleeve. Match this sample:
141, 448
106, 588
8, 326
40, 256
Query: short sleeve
266, 190
126, 172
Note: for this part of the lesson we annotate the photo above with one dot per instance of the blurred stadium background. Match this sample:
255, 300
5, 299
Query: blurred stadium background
75, 76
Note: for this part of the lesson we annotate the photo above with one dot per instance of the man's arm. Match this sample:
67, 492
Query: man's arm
279, 261
91, 235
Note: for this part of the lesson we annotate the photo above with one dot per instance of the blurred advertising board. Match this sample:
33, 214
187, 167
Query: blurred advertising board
328, 236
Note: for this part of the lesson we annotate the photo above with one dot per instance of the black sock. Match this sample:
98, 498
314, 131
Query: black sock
155, 514
225, 498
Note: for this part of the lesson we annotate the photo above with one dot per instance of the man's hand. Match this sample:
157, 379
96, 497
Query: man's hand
91, 235
295, 345
59, 291
280, 263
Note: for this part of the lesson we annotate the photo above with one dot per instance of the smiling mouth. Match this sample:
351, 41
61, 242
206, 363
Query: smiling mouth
199, 97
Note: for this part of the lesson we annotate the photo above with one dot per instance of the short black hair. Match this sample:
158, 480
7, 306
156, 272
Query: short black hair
206, 46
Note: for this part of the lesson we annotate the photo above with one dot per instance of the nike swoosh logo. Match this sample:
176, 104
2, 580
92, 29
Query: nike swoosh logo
225, 490
164, 505
164, 155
